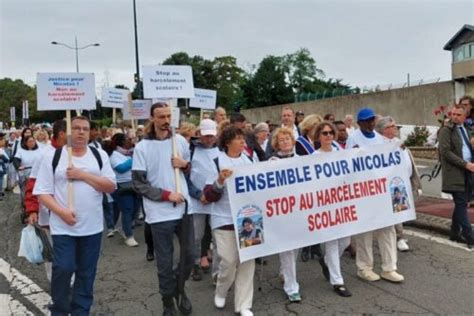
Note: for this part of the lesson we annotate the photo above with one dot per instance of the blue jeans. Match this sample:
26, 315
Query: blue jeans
163, 234
460, 222
111, 213
126, 205
77, 255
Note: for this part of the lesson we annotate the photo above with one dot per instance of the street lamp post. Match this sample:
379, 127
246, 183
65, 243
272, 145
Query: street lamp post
76, 49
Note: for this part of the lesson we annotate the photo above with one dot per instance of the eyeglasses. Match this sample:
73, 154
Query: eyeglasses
391, 126
78, 129
327, 133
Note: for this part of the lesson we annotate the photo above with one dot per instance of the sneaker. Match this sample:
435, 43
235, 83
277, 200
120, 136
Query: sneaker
402, 245
219, 302
368, 275
392, 276
131, 242
294, 298
246, 312
196, 273
150, 255
111, 233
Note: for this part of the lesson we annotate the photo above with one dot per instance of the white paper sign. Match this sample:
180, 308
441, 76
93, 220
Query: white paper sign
204, 99
291, 203
175, 117
25, 108
168, 82
65, 91
140, 110
114, 98
12, 114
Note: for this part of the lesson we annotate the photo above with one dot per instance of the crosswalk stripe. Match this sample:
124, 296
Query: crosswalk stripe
10, 306
26, 287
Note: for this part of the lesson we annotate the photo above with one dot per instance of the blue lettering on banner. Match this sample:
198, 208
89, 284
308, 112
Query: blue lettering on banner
272, 179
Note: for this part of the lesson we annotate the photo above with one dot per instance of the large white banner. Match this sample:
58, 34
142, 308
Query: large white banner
291, 203
168, 82
65, 91
204, 99
114, 98
140, 110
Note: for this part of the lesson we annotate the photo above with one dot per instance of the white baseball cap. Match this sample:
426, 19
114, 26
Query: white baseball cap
208, 127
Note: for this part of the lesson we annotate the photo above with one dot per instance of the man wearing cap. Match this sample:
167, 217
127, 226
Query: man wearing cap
456, 156
386, 237
203, 152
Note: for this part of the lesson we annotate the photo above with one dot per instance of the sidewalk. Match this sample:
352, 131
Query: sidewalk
435, 214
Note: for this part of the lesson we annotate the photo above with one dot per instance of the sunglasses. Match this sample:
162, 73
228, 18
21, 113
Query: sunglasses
327, 133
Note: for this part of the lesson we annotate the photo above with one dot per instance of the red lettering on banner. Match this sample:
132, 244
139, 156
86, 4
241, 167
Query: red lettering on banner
327, 219
280, 206
306, 201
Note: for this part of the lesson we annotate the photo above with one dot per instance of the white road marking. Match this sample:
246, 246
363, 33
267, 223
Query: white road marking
421, 166
438, 240
10, 306
27, 288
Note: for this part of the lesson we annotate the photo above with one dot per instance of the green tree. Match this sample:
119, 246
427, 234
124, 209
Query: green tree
301, 70
268, 86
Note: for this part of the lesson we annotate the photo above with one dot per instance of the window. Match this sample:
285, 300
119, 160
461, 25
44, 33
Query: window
463, 52
458, 54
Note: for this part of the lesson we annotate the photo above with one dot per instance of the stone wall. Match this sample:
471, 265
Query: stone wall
412, 105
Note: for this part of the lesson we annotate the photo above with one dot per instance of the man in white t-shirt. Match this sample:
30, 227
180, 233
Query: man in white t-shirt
153, 177
76, 231
366, 136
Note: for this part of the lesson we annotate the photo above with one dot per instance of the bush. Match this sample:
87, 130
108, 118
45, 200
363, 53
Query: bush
418, 137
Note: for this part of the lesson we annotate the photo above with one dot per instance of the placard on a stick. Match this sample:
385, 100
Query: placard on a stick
65, 91
168, 82
114, 98
204, 99
140, 110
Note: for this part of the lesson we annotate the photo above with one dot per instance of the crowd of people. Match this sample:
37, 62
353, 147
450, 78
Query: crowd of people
177, 184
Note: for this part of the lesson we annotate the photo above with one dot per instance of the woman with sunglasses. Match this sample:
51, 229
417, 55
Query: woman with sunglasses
325, 134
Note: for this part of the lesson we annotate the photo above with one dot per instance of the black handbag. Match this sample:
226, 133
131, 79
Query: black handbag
125, 188
47, 247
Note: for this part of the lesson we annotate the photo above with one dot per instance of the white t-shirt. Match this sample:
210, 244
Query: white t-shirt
28, 157
87, 200
203, 167
43, 212
221, 214
116, 159
356, 138
43, 145
154, 157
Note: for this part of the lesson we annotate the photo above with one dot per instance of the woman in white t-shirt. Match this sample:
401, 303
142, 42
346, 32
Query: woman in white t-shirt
283, 143
325, 134
24, 160
231, 270
42, 138
121, 161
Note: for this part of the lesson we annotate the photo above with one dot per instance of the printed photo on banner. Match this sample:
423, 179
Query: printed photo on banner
250, 226
399, 195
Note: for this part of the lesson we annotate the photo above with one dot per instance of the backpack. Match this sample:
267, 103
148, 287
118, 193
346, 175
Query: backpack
57, 156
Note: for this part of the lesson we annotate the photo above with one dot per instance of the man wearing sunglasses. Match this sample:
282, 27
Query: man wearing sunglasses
386, 237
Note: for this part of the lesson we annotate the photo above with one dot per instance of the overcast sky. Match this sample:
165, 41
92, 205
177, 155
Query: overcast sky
365, 43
